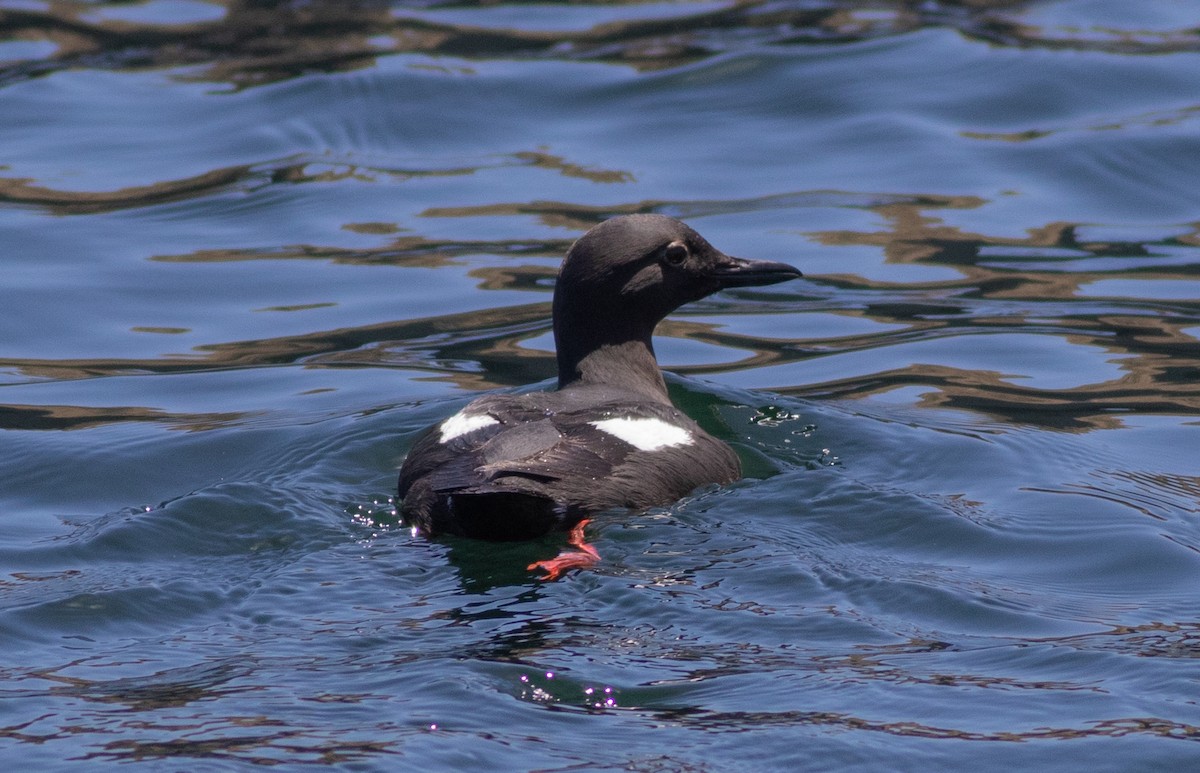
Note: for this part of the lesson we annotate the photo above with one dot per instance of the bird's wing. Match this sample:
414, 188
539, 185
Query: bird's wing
540, 452
532, 442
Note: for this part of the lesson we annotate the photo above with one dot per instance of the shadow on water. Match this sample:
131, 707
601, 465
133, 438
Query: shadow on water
482, 566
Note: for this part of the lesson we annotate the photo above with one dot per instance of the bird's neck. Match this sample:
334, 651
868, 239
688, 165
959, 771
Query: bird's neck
628, 364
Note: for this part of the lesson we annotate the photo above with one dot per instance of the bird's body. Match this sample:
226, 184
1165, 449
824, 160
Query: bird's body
516, 466
511, 467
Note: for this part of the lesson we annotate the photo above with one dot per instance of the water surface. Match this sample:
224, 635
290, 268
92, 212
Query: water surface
251, 250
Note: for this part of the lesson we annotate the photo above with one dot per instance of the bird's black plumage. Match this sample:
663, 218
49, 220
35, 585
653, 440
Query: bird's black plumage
511, 467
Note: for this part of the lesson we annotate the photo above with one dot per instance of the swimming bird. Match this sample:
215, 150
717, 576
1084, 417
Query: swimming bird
517, 466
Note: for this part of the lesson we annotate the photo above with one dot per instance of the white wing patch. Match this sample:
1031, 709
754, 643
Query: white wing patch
462, 423
645, 434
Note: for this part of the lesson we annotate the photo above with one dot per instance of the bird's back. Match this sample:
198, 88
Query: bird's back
511, 467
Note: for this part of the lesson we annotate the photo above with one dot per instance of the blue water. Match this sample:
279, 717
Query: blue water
250, 250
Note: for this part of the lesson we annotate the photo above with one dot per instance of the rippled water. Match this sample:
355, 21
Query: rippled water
250, 250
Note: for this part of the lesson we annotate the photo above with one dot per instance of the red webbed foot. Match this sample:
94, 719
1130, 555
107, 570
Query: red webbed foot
582, 556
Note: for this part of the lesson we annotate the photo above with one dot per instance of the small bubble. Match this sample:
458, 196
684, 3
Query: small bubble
433, 726
549, 674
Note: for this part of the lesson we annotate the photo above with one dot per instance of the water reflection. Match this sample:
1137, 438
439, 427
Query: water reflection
250, 43
173, 688
1055, 351
68, 417
61, 202
1009, 284
740, 721
265, 748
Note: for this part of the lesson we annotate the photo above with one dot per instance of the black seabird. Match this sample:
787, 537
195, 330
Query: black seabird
514, 467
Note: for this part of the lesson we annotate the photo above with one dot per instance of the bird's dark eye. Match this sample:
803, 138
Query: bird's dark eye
675, 253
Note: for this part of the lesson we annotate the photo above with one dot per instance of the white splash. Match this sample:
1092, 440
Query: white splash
645, 434
462, 423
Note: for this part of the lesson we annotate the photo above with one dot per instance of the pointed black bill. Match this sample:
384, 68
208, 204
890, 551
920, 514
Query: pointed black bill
750, 273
